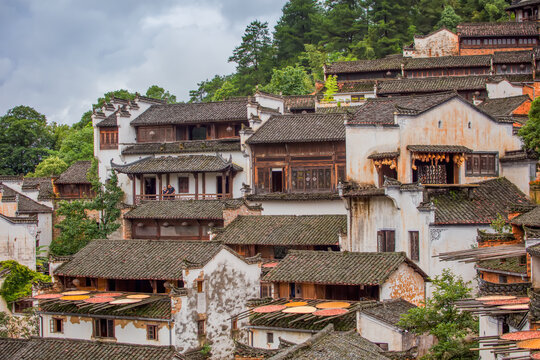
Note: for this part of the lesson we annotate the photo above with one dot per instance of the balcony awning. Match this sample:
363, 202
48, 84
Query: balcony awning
177, 164
452, 149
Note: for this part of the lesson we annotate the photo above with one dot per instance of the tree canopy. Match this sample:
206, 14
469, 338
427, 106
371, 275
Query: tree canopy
530, 132
292, 80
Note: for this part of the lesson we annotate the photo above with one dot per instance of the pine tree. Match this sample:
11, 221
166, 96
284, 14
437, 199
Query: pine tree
449, 19
345, 23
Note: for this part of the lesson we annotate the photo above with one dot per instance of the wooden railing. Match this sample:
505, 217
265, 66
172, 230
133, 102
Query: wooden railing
158, 197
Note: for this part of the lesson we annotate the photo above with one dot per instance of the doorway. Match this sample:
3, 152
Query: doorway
150, 186
219, 180
277, 180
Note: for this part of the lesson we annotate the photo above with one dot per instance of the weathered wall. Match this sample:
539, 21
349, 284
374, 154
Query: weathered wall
231, 214
228, 283
18, 242
45, 229
520, 173
379, 332
439, 43
320, 207
404, 283
503, 89
293, 335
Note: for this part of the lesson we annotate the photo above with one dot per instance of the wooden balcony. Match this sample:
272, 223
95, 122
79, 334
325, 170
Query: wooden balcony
160, 197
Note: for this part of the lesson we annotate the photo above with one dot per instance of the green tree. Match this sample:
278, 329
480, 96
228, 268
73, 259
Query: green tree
227, 90
78, 227
51, 166
292, 80
78, 145
156, 92
530, 132
206, 89
449, 19
331, 88
86, 118
314, 59
442, 319
344, 23
298, 25
18, 283
25, 139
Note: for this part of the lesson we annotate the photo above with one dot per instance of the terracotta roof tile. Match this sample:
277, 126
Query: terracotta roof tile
486, 29
177, 164
138, 259
181, 147
336, 267
75, 174
300, 128
284, 230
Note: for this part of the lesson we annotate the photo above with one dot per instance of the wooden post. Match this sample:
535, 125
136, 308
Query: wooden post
134, 189
196, 176
204, 185
142, 185
223, 183
160, 181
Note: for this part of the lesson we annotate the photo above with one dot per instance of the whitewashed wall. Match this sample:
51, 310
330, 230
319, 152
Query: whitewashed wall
18, 242
259, 336
379, 332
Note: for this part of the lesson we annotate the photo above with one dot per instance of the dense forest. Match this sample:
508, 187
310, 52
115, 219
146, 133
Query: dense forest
288, 59
310, 33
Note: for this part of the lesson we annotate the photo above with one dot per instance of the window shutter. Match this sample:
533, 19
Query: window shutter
110, 328
390, 241
51, 325
415, 250
380, 241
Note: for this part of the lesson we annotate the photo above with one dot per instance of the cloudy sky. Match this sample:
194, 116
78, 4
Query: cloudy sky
59, 56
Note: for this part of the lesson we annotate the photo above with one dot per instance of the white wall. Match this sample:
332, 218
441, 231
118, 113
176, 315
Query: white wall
503, 89
45, 228
18, 242
321, 207
520, 173
296, 336
379, 332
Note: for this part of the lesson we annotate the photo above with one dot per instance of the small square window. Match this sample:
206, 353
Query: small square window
234, 323
201, 327
200, 287
57, 325
503, 279
151, 332
270, 338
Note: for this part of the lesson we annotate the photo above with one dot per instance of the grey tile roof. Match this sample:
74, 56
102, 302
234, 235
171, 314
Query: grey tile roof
487, 29
518, 4
389, 311
55, 349
300, 102
530, 218
177, 164
181, 147
392, 62
43, 184
285, 230
337, 267
300, 128
329, 344
512, 57
138, 259
20, 219
294, 196
193, 113
490, 198
445, 62
439, 148
509, 264
109, 121
25, 205
518, 155
431, 84
182, 209
381, 110
503, 106
75, 174
384, 155
356, 86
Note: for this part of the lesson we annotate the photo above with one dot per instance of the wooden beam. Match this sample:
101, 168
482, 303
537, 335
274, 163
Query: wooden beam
196, 176
160, 181
204, 184
134, 189
223, 183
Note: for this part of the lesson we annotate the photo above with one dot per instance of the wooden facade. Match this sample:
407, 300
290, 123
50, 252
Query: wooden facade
274, 251
298, 167
108, 138
325, 291
75, 191
171, 133
173, 229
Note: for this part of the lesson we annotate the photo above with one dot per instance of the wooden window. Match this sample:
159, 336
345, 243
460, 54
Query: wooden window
156, 133
311, 179
503, 279
56, 325
270, 337
266, 290
234, 324
198, 133
414, 245
104, 328
201, 327
263, 179
386, 241
183, 185
22, 305
481, 165
200, 286
108, 138
151, 332
383, 346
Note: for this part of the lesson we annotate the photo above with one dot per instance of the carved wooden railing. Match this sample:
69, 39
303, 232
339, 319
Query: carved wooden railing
159, 197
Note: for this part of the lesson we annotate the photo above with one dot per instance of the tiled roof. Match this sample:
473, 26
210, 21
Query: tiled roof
55, 349
532, 233
245, 351
389, 311
20, 219
75, 174
193, 113
177, 164
530, 218
294, 196
138, 259
509, 28
180, 147
446, 62
503, 106
457, 149
510, 264
182, 209
490, 198
384, 155
518, 155
518, 4
43, 184
512, 57
329, 344
387, 63
284, 230
25, 205
431, 84
337, 267
356, 86
300, 102
300, 128
490, 288
154, 307
534, 250
381, 111
109, 121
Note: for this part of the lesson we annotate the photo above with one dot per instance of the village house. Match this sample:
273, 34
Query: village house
73, 183
524, 10
487, 38
183, 220
442, 42
154, 292
297, 162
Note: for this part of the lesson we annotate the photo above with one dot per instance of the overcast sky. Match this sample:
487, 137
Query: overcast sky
59, 56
